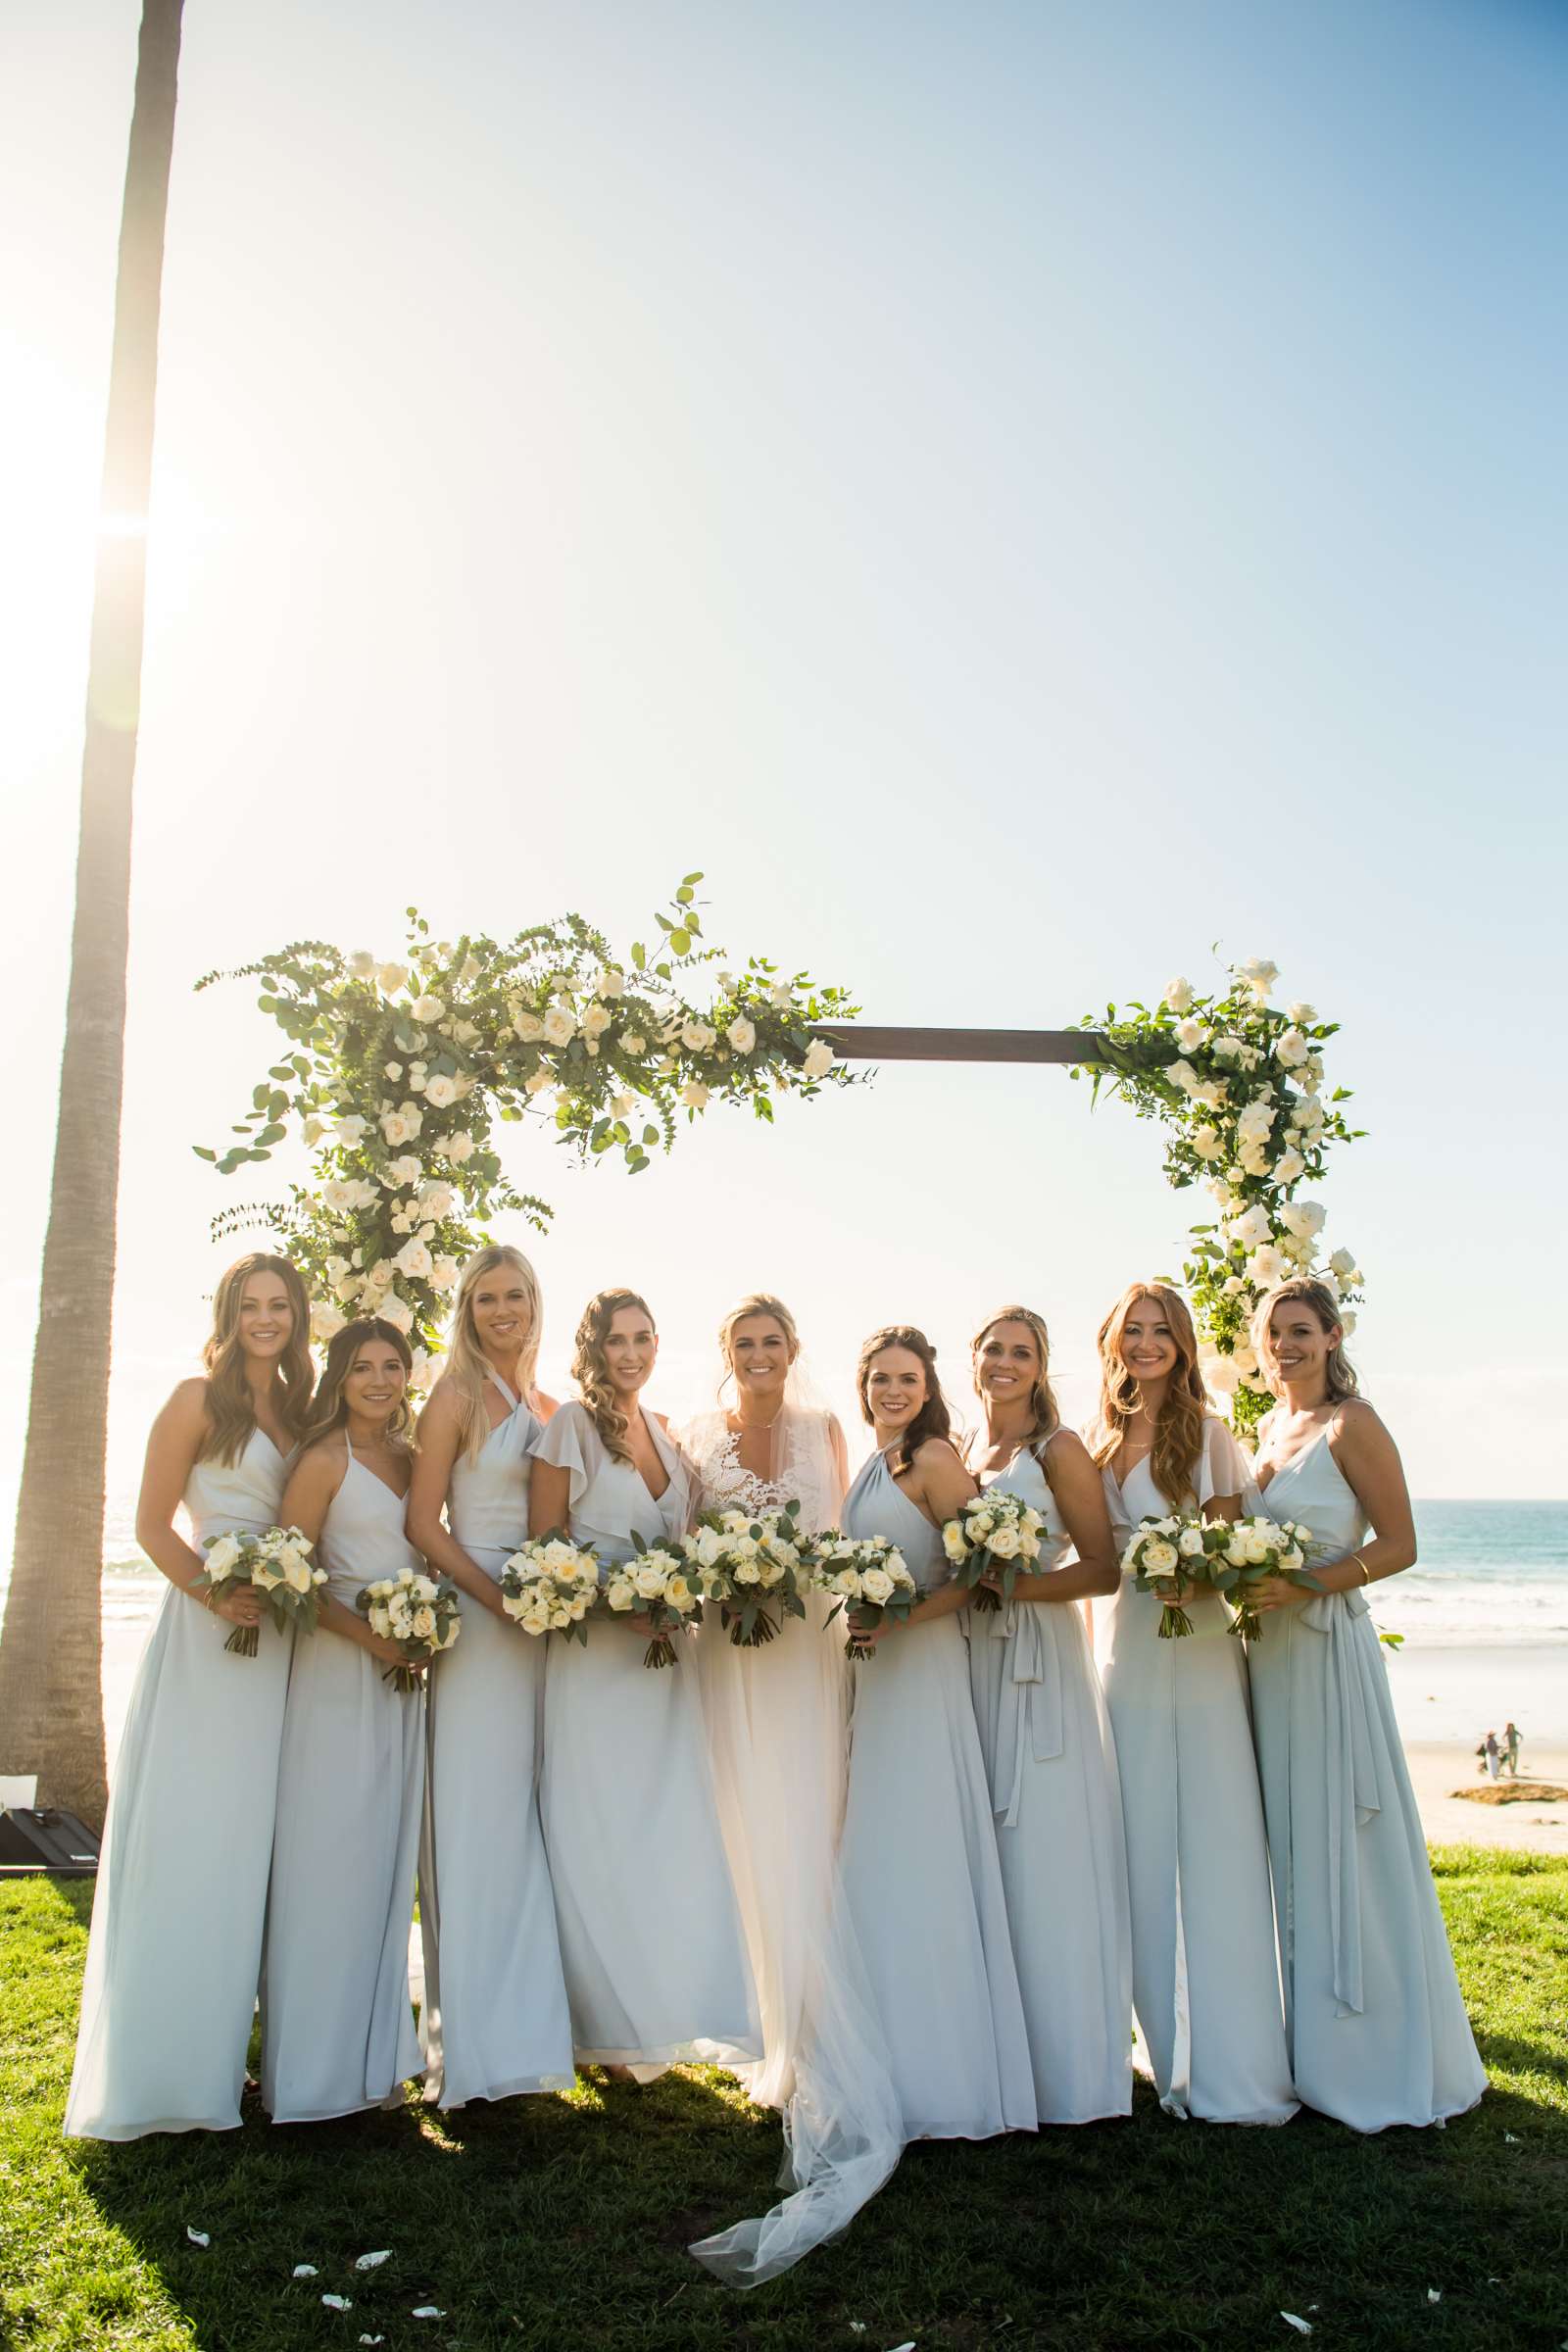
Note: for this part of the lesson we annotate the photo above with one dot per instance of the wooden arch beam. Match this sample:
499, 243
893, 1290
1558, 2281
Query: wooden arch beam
856, 1041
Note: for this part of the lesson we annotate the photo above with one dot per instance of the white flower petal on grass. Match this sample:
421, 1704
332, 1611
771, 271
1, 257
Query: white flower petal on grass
374, 2262
372, 2339
337, 2303
1292, 2319
305, 2270
1433, 2294
198, 2237
426, 2310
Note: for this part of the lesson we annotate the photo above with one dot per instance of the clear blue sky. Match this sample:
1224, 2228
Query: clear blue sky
1017, 493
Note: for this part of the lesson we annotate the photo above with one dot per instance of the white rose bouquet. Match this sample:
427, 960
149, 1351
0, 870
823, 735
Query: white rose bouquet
549, 1586
995, 1534
279, 1564
1162, 1553
656, 1584
1241, 1553
866, 1578
753, 1568
416, 1611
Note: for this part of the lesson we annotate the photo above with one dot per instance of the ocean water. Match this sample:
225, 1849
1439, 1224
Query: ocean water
1490, 1575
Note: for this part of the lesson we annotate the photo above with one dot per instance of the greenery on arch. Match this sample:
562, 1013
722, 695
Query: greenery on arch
1238, 1086
396, 1074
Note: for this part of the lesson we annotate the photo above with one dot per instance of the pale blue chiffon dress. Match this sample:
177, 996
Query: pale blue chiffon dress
1206, 1965
1377, 2023
651, 1934
174, 1956
1052, 1764
338, 2021
919, 1860
495, 2019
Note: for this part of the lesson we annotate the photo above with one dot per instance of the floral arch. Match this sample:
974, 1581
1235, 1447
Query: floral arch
396, 1074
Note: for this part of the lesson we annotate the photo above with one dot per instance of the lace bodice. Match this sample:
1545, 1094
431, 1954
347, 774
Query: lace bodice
805, 1471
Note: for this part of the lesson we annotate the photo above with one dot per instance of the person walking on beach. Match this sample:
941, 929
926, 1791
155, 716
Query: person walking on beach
1512, 1742
1494, 1755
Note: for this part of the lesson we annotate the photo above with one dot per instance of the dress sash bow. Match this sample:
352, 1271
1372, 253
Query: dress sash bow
1029, 1719
1354, 1740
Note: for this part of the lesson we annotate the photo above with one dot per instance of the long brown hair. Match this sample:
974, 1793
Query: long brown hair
933, 1420
330, 1410
590, 1367
1179, 1430
467, 1367
1339, 1371
1045, 1412
231, 1410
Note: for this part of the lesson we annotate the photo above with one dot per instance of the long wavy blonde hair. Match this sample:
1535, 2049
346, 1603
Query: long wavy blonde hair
230, 1408
1338, 1368
1045, 1412
590, 1367
1178, 1445
468, 1366
330, 1410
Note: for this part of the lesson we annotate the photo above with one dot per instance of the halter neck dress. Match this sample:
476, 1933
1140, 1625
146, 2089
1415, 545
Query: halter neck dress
175, 1951
495, 2019
1206, 1965
337, 2023
919, 1860
1052, 1765
776, 1718
651, 1937
1377, 2023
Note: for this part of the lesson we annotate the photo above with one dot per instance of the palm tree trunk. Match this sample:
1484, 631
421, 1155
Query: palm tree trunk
51, 1704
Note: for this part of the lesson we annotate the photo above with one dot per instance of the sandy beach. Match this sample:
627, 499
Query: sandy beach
1446, 1699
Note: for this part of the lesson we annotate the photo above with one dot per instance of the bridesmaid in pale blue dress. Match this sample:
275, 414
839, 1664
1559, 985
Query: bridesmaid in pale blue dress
173, 1961
338, 2021
919, 1860
1378, 2029
1046, 1737
495, 2019
1206, 1965
651, 1932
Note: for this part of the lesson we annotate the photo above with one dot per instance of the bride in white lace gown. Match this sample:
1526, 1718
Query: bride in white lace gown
776, 1715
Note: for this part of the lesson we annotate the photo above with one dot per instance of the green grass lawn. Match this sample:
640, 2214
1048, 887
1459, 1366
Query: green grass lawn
563, 2222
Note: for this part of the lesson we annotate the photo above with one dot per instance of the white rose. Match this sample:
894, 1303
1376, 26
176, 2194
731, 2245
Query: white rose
424, 1588
444, 1273
1252, 1229
634, 1045
1189, 1034
818, 1058
1342, 1263
297, 1573
1289, 1166
338, 1196
694, 1095
1346, 1321
1221, 1374
224, 1556
1231, 1047
414, 1260
390, 978
1206, 1144
529, 1025
1160, 1558
559, 1026
538, 1081
742, 1036
381, 1275
1291, 1049
428, 1008
1255, 1119
348, 1132
1259, 974
1190, 1543
596, 1020
648, 1579
847, 1582
620, 1593
397, 1313
609, 983
326, 1321
1182, 1076
1245, 1357
1179, 995
876, 1584
1303, 1014
954, 1542
1005, 1542
423, 1624
1303, 1217
441, 1091
313, 1131
679, 1596
1267, 1266
697, 1037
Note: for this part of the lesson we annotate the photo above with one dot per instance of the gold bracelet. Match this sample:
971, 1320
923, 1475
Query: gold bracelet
1367, 1573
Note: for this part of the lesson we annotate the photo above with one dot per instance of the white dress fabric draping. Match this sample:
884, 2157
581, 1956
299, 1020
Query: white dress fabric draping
920, 1863
174, 1957
338, 2021
1052, 1764
651, 1937
1377, 2025
495, 2021
777, 1722
1206, 1964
